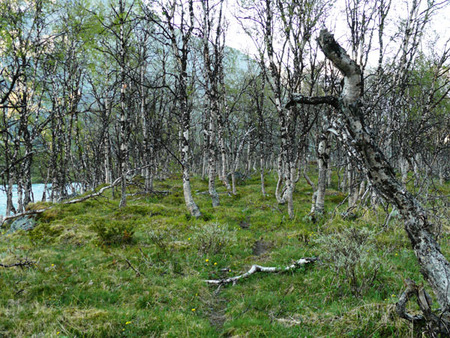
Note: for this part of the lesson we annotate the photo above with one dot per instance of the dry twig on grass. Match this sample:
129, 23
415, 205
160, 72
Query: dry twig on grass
138, 273
21, 263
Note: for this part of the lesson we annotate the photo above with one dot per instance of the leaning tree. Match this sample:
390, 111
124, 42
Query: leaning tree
348, 123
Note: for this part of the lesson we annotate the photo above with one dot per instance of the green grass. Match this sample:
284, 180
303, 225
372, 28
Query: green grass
83, 284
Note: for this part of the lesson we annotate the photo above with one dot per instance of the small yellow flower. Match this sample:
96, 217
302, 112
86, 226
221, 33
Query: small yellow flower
193, 310
127, 323
215, 263
396, 254
189, 238
53, 265
58, 332
206, 260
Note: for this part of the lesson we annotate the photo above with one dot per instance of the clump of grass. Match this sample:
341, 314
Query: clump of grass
44, 233
49, 215
136, 209
38, 205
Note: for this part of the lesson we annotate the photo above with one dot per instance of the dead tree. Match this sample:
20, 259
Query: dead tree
349, 125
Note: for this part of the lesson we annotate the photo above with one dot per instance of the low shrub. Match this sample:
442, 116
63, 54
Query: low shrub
113, 232
161, 238
352, 253
212, 238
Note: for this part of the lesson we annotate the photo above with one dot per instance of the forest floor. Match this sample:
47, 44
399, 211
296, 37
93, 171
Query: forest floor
139, 271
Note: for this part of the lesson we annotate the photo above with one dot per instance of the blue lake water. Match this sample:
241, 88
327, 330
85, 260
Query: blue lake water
38, 190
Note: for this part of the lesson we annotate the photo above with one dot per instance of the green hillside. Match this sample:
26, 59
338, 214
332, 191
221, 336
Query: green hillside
139, 271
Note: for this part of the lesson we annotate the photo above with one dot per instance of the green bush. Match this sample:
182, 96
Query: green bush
112, 232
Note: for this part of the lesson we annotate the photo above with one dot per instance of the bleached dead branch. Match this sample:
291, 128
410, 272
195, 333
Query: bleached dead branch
258, 268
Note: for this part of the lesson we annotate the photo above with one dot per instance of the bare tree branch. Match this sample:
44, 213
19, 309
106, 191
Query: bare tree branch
313, 100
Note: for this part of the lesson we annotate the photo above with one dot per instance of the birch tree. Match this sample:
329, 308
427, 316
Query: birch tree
213, 43
176, 27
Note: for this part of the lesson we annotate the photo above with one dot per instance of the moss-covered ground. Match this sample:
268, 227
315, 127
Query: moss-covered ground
139, 271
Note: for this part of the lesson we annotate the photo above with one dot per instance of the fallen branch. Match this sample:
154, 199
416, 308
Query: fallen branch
81, 199
138, 274
26, 213
144, 193
20, 263
95, 194
258, 268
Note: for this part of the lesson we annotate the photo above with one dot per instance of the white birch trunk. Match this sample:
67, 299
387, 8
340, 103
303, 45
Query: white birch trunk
187, 191
323, 151
261, 169
223, 155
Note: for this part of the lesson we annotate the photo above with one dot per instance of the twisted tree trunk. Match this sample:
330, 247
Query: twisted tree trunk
359, 141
